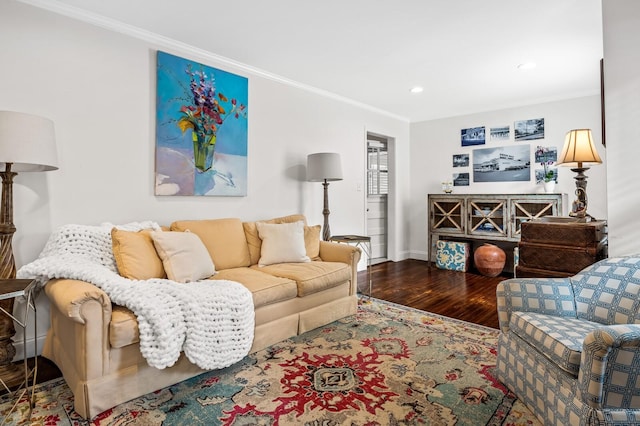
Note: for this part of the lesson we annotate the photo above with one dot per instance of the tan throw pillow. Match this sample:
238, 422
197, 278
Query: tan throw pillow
253, 239
135, 255
312, 241
224, 239
282, 243
184, 256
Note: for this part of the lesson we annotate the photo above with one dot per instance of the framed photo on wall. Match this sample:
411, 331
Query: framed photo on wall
461, 160
461, 179
502, 164
499, 134
472, 136
527, 130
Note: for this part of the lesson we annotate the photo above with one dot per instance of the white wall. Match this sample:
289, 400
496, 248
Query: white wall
98, 87
433, 143
621, 23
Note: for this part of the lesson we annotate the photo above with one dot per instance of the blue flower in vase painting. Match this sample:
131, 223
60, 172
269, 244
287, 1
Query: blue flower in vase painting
201, 129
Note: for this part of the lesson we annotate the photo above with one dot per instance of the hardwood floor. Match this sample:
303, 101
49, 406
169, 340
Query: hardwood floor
466, 296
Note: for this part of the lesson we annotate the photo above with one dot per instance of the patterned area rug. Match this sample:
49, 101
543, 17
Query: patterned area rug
387, 365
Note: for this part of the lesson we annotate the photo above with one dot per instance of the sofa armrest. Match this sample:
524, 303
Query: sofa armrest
552, 296
345, 253
609, 375
70, 298
78, 339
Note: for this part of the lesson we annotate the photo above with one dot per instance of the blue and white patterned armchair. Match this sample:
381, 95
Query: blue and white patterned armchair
569, 348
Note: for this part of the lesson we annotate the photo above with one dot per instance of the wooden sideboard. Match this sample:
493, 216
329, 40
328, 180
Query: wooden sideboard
494, 218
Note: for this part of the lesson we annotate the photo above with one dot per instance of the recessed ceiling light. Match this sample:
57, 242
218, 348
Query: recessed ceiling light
417, 89
526, 65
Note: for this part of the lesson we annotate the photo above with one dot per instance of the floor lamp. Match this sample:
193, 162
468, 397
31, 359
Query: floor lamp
324, 167
27, 144
579, 151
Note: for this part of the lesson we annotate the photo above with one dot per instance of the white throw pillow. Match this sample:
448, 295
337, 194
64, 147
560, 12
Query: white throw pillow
183, 255
282, 243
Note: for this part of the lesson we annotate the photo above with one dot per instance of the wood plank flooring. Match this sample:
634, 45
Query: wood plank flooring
466, 296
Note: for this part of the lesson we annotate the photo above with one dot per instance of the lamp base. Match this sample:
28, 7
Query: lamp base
10, 373
326, 231
579, 206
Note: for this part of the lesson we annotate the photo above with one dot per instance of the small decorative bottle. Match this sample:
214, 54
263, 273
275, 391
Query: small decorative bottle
447, 187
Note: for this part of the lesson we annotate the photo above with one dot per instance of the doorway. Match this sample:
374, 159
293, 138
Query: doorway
377, 196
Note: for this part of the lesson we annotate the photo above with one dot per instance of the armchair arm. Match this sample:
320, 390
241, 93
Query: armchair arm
553, 296
609, 374
345, 253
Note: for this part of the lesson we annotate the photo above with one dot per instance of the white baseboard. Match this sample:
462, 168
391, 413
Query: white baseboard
419, 255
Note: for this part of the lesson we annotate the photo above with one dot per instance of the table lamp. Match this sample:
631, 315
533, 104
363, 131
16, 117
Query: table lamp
27, 144
324, 167
578, 151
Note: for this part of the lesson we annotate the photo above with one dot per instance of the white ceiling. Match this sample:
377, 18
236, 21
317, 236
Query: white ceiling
463, 52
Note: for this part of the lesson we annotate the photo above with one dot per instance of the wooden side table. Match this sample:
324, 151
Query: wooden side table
10, 289
560, 247
364, 243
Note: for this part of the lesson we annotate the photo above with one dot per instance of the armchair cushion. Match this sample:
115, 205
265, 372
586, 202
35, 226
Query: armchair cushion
551, 296
559, 339
608, 292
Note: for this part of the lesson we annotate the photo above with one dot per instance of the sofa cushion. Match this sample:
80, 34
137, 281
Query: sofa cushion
123, 328
282, 242
558, 338
136, 255
266, 289
312, 241
224, 239
183, 255
253, 239
310, 277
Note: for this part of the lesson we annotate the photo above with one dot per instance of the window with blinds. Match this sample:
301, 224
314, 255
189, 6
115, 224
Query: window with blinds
377, 168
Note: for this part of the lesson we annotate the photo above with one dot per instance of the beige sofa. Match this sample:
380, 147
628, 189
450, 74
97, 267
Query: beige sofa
95, 343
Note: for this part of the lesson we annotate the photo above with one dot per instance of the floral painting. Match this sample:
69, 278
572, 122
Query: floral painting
201, 129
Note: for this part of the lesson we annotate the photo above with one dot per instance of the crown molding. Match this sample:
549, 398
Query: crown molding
168, 43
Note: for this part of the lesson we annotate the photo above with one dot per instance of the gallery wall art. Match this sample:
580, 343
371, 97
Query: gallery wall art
472, 136
201, 129
461, 160
526, 130
461, 179
502, 164
546, 156
499, 134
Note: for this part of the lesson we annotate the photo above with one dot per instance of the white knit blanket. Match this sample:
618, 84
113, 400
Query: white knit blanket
211, 321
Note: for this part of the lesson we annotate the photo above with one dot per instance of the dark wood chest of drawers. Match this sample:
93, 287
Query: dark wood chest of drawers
559, 247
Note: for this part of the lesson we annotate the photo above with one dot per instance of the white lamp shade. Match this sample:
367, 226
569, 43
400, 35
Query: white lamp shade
324, 166
28, 142
579, 149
